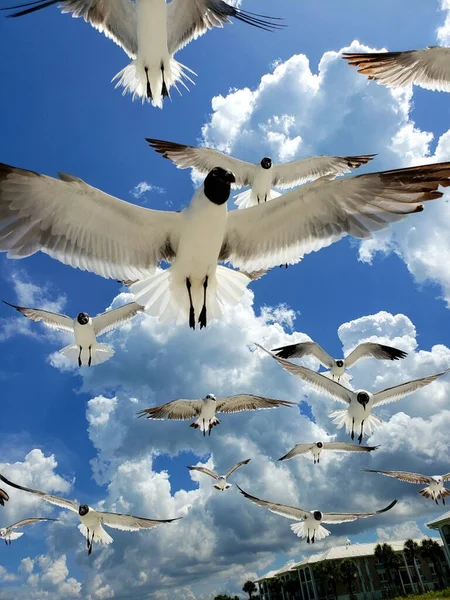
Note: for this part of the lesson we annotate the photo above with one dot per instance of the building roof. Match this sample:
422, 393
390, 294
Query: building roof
440, 520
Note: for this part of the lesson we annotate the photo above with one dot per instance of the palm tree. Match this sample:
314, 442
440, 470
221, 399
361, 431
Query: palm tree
390, 561
328, 572
349, 572
431, 551
250, 589
412, 552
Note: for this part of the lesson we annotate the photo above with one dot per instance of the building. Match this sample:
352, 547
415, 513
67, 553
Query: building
370, 581
442, 524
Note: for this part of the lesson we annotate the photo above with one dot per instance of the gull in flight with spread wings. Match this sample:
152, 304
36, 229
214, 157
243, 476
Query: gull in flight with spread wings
204, 411
310, 521
260, 176
338, 366
8, 534
86, 350
92, 521
428, 68
358, 414
151, 32
316, 448
86, 228
222, 480
435, 483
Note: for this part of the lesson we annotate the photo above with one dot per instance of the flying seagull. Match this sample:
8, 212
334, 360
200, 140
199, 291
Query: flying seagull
310, 525
86, 350
3, 497
317, 448
222, 480
8, 534
151, 32
428, 68
435, 483
262, 175
358, 414
86, 228
92, 521
338, 366
204, 411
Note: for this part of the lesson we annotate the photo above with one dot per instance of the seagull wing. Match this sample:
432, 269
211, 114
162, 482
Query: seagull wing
187, 20
403, 476
347, 447
379, 351
4, 497
305, 349
322, 212
51, 319
291, 512
56, 500
177, 409
428, 68
320, 382
446, 477
204, 160
116, 19
298, 449
82, 226
24, 522
239, 402
345, 517
404, 389
306, 169
129, 522
205, 471
237, 466
115, 317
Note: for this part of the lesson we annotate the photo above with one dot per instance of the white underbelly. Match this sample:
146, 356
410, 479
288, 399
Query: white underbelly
151, 16
262, 184
208, 409
84, 335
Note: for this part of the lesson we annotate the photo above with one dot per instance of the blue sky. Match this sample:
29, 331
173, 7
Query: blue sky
61, 113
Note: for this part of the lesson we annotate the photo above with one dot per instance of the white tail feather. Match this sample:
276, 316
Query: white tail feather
341, 418
100, 534
13, 535
248, 198
301, 530
135, 79
343, 379
99, 353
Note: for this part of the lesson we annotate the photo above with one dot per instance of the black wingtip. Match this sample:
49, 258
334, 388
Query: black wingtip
391, 505
12, 305
264, 22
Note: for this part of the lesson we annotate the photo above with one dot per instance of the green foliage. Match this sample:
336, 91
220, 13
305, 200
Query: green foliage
437, 595
250, 589
225, 597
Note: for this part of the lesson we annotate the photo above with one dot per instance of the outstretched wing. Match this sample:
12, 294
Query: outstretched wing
189, 19
205, 471
298, 449
347, 447
305, 349
446, 477
82, 226
403, 476
116, 19
240, 402
290, 512
57, 500
428, 68
115, 317
24, 522
345, 517
322, 212
404, 389
177, 409
129, 522
204, 160
299, 171
236, 466
51, 319
369, 349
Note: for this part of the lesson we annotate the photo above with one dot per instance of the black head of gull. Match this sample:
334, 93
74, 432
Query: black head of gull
319, 444
217, 185
339, 363
83, 510
317, 515
210, 397
363, 399
83, 318
266, 162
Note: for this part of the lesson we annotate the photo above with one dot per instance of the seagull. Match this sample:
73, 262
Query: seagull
92, 521
222, 483
310, 525
357, 415
435, 483
428, 68
123, 241
316, 448
337, 366
260, 176
151, 32
86, 350
7, 533
3, 497
205, 410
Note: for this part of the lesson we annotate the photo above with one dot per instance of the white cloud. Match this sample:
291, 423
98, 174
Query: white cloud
407, 530
143, 187
443, 32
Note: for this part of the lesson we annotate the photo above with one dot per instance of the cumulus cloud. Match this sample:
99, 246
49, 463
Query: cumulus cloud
143, 187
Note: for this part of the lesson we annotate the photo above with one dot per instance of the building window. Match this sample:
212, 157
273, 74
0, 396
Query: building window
446, 534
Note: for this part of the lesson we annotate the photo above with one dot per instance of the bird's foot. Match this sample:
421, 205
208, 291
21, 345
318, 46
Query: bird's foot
149, 89
90, 356
192, 318
360, 437
202, 317
164, 90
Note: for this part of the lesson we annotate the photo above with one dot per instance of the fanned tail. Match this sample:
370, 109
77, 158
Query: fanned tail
301, 530
343, 379
247, 199
99, 353
341, 419
205, 425
13, 535
100, 535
